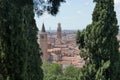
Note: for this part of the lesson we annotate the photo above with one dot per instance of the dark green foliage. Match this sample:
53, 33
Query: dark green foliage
101, 46
81, 43
51, 6
78, 37
17, 43
13, 42
19, 51
34, 72
55, 6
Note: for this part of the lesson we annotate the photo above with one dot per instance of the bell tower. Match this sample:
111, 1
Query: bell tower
59, 33
43, 43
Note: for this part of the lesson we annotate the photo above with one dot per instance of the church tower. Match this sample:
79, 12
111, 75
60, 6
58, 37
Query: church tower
59, 32
43, 43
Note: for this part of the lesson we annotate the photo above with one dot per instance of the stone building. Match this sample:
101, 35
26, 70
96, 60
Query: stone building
59, 33
44, 43
50, 53
55, 54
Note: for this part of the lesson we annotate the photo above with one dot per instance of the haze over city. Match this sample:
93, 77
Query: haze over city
73, 15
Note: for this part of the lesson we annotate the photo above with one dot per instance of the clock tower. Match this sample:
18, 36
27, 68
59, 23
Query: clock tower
43, 43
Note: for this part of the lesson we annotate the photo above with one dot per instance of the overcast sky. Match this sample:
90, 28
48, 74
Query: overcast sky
73, 15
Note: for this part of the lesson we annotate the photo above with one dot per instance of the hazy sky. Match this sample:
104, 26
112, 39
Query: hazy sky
74, 14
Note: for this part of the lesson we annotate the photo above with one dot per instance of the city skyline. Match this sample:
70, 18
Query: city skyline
73, 15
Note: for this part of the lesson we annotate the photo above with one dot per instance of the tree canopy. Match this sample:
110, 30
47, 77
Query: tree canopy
20, 56
54, 71
100, 44
50, 6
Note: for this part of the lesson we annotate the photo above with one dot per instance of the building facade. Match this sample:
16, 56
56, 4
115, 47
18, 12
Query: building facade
59, 33
44, 43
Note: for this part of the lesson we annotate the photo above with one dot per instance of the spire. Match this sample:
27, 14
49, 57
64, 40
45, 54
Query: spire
43, 28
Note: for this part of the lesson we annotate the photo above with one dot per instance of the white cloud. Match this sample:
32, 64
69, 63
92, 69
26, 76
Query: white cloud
117, 1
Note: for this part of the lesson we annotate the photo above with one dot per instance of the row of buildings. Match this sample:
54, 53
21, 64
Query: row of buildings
60, 49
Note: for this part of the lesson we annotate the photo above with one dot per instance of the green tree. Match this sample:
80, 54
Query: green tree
19, 51
13, 42
34, 71
78, 37
51, 6
55, 71
101, 44
52, 71
72, 72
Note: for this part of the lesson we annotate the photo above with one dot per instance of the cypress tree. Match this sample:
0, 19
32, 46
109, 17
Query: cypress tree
101, 44
19, 51
78, 37
34, 62
3, 71
13, 41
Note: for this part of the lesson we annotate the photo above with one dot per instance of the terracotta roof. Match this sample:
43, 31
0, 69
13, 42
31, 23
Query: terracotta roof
65, 58
65, 62
62, 46
54, 49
